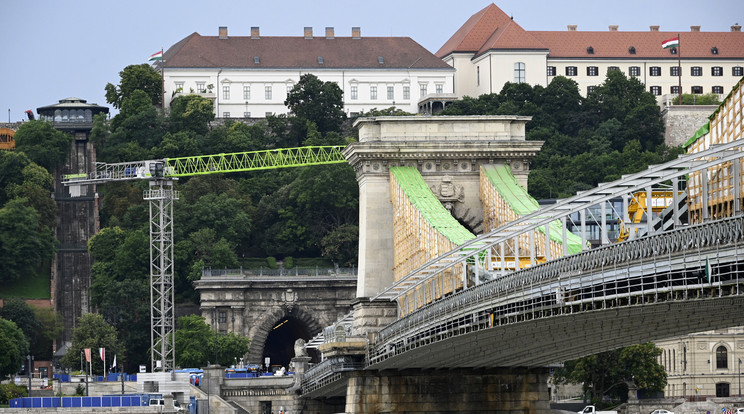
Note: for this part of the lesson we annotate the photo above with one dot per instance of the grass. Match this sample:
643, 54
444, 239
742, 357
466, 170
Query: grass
35, 286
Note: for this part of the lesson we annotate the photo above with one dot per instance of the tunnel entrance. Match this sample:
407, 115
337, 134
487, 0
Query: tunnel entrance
279, 345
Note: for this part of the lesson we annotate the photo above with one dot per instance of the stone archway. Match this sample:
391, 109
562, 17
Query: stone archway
301, 325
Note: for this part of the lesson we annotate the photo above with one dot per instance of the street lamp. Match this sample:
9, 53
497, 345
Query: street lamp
30, 368
739, 377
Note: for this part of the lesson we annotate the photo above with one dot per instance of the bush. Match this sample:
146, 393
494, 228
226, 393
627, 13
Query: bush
271, 262
10, 391
312, 262
288, 262
80, 390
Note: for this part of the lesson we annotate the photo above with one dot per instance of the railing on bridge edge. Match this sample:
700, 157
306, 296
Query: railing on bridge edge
295, 271
545, 291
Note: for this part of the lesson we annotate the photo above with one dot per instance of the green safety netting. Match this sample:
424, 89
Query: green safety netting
502, 179
415, 188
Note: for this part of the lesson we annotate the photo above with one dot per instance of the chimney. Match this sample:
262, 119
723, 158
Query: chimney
329, 33
356, 32
654, 28
736, 28
308, 32
223, 32
694, 28
255, 32
572, 27
613, 27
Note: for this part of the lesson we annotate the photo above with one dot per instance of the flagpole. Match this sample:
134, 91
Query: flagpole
162, 82
679, 66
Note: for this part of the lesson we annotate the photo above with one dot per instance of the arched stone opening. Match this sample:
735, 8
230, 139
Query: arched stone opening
275, 338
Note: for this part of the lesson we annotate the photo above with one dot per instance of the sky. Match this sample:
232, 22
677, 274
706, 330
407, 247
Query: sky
52, 49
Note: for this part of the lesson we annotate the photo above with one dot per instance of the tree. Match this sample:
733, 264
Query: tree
43, 144
141, 77
24, 242
14, 346
608, 373
192, 113
40, 326
93, 332
320, 102
196, 344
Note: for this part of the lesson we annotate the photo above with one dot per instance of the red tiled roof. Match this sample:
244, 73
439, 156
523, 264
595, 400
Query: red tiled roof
573, 44
197, 51
490, 28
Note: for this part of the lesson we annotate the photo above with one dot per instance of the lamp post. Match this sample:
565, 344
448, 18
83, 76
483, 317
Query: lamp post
30, 367
739, 377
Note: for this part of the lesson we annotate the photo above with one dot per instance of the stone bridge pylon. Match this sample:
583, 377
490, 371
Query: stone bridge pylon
447, 152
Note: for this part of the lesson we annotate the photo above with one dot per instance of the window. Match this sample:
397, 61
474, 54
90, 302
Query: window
406, 92
716, 71
592, 71
611, 68
289, 89
737, 71
320, 60
246, 114
675, 90
519, 72
373, 92
226, 114
440, 88
722, 389
655, 90
635, 71
654, 71
256, 60
697, 89
551, 71
179, 87
268, 114
721, 357
390, 93
673, 50
422, 89
696, 71
354, 92
222, 317
267, 93
590, 89
200, 87
674, 71
246, 93
718, 90
571, 71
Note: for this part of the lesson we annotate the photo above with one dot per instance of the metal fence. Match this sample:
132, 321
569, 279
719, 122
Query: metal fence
265, 271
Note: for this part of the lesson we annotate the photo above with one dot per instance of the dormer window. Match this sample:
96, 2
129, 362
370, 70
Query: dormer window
673, 50
256, 60
320, 60
380, 60
590, 50
714, 50
632, 50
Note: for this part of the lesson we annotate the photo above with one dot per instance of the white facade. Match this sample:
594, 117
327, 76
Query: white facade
241, 93
704, 365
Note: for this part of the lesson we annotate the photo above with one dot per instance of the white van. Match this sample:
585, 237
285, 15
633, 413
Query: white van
160, 403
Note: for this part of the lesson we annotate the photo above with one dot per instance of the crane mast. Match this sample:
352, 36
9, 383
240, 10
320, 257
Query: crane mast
162, 174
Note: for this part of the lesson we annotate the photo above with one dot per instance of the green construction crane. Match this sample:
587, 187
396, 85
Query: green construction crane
161, 174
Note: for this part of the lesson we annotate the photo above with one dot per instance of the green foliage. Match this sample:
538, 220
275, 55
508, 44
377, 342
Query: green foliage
288, 262
608, 373
696, 99
39, 326
14, 347
141, 77
11, 391
80, 390
24, 242
191, 113
390, 111
196, 344
271, 262
342, 245
42, 143
316, 101
94, 332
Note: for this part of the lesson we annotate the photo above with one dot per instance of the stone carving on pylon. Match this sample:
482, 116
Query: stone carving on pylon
448, 192
290, 298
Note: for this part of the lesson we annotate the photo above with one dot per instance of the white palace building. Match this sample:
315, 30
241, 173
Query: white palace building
249, 76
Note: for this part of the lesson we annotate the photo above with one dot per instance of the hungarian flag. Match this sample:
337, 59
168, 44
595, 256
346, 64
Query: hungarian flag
87, 354
102, 351
156, 56
673, 42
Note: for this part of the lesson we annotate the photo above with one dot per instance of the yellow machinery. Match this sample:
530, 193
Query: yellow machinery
660, 199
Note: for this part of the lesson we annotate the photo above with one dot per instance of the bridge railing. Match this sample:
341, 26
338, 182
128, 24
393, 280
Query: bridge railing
493, 244
295, 271
685, 263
